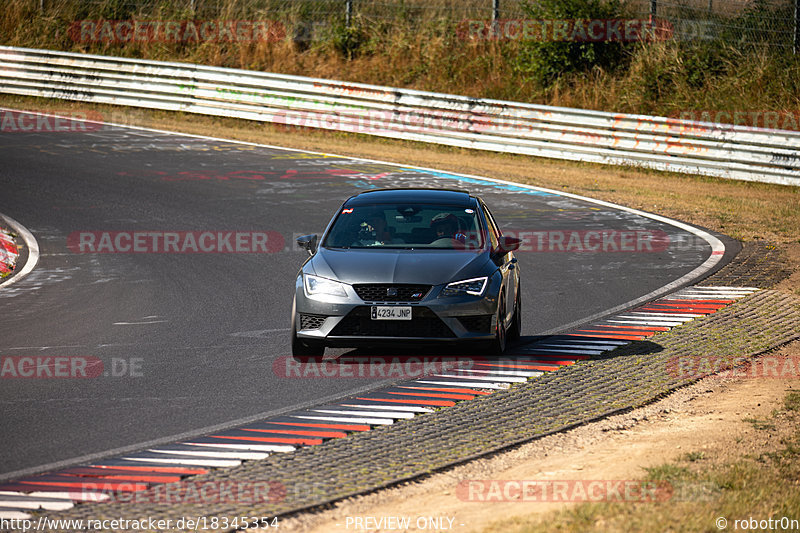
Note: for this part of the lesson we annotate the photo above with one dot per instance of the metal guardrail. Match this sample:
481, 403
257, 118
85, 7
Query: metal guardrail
727, 151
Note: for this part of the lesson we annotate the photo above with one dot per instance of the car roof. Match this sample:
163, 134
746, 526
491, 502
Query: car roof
454, 197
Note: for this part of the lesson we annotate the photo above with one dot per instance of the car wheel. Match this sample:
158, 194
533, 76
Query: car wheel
515, 331
305, 349
498, 345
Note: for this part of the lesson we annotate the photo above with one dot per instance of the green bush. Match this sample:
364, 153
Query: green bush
545, 61
348, 40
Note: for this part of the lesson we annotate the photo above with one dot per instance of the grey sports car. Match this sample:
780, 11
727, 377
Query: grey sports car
407, 265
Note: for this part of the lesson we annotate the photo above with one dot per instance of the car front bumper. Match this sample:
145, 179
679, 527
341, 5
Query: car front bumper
346, 321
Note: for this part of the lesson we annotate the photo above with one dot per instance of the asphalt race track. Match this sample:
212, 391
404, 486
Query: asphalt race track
187, 340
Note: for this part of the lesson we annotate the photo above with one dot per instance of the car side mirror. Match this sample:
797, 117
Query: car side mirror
308, 243
506, 244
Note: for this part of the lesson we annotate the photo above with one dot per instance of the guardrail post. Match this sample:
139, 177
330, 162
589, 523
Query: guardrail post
496, 11
796, 26
348, 12
653, 10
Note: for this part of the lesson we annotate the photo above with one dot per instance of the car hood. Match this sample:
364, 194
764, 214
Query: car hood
434, 267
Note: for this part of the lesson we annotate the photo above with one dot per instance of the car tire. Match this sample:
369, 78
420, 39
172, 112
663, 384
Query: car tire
515, 330
498, 345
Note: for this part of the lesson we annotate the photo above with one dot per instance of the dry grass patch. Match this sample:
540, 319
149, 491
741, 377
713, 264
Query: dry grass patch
761, 483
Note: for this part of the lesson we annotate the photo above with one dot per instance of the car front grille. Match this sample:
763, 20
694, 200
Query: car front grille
391, 292
476, 323
424, 323
311, 321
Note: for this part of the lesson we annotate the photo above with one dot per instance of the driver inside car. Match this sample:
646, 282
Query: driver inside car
445, 226
374, 228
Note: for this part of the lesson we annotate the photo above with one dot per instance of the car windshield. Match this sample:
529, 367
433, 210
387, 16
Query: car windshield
406, 226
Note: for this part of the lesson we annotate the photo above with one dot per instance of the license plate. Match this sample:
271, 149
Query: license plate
391, 312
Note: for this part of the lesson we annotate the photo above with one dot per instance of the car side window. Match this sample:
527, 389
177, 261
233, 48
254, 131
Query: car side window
494, 233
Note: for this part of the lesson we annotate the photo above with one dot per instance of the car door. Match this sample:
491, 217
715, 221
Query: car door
507, 264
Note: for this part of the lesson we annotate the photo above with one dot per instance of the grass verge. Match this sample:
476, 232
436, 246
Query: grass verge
761, 484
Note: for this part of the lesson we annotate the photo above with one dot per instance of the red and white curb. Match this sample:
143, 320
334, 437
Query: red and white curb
8, 250
8, 253
129, 473
664, 313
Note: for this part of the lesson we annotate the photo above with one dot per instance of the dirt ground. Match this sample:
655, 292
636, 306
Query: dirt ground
791, 285
708, 419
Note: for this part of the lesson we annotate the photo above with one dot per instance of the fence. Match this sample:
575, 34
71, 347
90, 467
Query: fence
736, 22
726, 151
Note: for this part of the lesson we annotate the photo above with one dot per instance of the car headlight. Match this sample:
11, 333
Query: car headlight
317, 285
474, 286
